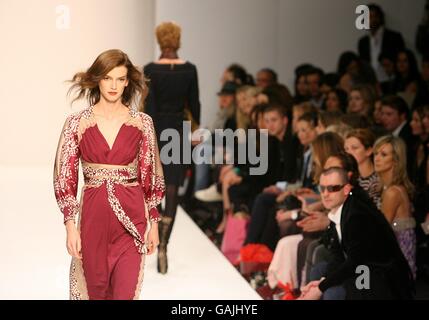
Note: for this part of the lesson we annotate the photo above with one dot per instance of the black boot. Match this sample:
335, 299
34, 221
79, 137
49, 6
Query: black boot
165, 226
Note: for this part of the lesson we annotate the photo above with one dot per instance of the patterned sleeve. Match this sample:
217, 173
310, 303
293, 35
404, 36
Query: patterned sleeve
151, 174
66, 169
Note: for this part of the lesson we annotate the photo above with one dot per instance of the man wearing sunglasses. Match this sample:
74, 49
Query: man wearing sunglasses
358, 235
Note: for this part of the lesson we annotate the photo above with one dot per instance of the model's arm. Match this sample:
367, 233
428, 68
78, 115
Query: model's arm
66, 174
151, 175
194, 98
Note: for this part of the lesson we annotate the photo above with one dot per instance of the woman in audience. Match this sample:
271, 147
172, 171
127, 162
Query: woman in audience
391, 165
359, 143
298, 110
361, 101
419, 177
336, 100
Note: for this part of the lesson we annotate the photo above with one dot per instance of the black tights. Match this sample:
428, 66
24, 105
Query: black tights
171, 201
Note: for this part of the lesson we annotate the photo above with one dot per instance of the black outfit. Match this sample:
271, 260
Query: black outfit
172, 87
367, 239
391, 44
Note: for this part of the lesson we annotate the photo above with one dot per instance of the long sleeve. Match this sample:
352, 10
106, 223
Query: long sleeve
66, 169
150, 169
194, 97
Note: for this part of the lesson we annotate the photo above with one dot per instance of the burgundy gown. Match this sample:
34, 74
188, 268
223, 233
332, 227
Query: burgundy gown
123, 185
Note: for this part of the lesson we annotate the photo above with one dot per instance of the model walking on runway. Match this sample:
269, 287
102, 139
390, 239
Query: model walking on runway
123, 181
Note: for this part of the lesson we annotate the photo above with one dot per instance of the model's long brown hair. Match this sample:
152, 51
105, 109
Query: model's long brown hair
86, 83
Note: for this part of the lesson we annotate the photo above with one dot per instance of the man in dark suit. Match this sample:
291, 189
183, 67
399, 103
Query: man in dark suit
379, 41
359, 238
394, 118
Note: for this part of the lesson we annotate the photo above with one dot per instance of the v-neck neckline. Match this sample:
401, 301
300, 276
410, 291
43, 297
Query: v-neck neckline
117, 134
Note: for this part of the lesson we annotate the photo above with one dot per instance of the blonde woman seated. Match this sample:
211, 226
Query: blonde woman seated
390, 163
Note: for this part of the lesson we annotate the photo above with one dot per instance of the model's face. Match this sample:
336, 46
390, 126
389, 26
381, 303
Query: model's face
355, 147
112, 86
383, 158
332, 102
417, 124
263, 79
313, 82
390, 118
402, 63
334, 199
356, 102
226, 100
306, 133
274, 122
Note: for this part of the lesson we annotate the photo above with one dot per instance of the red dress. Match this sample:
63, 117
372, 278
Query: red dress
123, 186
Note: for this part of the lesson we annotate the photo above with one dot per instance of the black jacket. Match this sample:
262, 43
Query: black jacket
392, 43
367, 239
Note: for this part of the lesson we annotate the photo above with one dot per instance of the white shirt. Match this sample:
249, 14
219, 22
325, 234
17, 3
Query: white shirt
398, 129
375, 47
335, 217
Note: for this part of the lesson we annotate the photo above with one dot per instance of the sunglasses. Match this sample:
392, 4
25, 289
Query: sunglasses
332, 188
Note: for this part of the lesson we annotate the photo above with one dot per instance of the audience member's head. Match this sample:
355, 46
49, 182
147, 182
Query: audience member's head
298, 110
347, 162
326, 119
336, 100
334, 187
355, 120
359, 143
361, 100
376, 115
406, 66
227, 95
247, 98
348, 63
276, 120
306, 128
390, 159
266, 77
237, 74
394, 112
376, 17
329, 82
278, 94
340, 129
416, 123
301, 87
323, 147
387, 61
314, 77
257, 116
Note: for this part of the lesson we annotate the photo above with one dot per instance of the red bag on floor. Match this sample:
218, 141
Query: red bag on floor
234, 236
254, 257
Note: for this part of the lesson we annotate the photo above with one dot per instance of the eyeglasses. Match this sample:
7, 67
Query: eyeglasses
330, 189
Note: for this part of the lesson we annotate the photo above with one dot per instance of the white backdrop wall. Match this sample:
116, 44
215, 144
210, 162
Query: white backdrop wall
36, 59
273, 33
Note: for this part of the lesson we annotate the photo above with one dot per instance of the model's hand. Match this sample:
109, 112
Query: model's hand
74, 245
152, 238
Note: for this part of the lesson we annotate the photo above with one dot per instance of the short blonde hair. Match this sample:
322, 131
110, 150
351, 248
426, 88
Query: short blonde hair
168, 35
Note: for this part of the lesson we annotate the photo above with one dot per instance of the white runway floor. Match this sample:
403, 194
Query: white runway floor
34, 263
